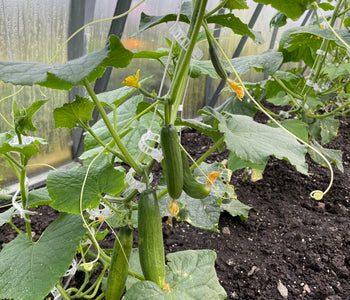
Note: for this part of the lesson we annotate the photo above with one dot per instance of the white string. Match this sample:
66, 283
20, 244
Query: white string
18, 206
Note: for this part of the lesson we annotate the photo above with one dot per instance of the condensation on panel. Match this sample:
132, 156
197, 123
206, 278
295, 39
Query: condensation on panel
34, 31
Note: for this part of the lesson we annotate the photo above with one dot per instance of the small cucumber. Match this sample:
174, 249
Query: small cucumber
118, 270
215, 60
191, 186
172, 159
151, 249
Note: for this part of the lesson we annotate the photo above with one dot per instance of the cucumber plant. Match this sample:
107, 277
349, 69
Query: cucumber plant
102, 190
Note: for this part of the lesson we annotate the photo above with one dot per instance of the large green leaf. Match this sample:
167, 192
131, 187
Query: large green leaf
125, 113
292, 9
65, 186
65, 76
190, 274
29, 270
74, 113
255, 142
268, 62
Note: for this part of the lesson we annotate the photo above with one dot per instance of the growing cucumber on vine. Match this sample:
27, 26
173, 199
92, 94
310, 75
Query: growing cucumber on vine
118, 270
172, 160
151, 249
191, 186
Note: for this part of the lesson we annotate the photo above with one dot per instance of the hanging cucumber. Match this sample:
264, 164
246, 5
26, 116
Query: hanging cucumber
172, 160
215, 60
118, 270
151, 249
191, 186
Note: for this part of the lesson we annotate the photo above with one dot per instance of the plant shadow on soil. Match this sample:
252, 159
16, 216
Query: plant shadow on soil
290, 242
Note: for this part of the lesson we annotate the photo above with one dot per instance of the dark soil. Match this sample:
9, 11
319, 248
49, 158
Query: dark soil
290, 241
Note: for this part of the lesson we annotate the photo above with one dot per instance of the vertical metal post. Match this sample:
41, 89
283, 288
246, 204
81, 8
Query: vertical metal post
80, 13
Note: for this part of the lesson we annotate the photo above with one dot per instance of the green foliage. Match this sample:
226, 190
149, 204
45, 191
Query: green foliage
36, 267
190, 275
292, 9
67, 75
73, 114
65, 187
306, 100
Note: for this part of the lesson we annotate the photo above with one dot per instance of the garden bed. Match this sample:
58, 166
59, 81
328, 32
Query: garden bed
290, 241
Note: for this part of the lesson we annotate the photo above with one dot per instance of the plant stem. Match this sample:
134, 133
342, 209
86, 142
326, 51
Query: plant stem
330, 113
62, 292
111, 129
106, 146
14, 227
286, 89
222, 4
181, 70
207, 153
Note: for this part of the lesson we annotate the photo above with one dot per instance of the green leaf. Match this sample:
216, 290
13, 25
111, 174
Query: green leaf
269, 62
236, 163
326, 6
281, 99
36, 267
232, 22
6, 215
204, 213
236, 4
234, 106
336, 71
297, 127
329, 129
9, 143
278, 20
65, 187
237, 209
65, 76
151, 54
125, 113
23, 117
72, 114
332, 155
302, 43
213, 133
148, 21
39, 197
190, 274
292, 9
200, 213
255, 142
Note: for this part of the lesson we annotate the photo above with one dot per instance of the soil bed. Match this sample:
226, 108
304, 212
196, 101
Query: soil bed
290, 243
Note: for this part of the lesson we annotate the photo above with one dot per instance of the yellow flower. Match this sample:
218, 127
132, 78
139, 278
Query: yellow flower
132, 81
237, 88
212, 177
174, 207
322, 26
